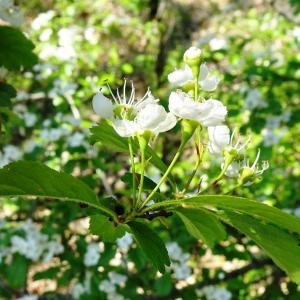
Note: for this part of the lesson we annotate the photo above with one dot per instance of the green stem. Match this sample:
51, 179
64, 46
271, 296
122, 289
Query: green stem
164, 177
133, 172
192, 175
159, 205
219, 177
196, 88
142, 174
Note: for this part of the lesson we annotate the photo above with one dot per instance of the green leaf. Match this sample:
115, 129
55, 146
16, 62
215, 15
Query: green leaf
27, 178
101, 225
151, 244
202, 225
17, 271
104, 133
148, 183
248, 207
15, 49
163, 285
50, 273
282, 247
6, 93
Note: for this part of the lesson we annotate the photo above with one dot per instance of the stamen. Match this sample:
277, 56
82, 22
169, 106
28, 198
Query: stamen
245, 144
112, 93
120, 99
124, 91
256, 160
132, 95
232, 135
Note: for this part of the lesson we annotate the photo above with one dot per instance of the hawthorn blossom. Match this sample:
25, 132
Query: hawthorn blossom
130, 116
220, 139
209, 113
182, 76
247, 173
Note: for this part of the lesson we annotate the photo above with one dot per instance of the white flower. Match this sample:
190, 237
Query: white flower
182, 76
233, 169
107, 286
76, 140
254, 100
174, 251
130, 116
209, 113
214, 293
183, 106
219, 138
117, 279
10, 13
77, 290
246, 173
42, 19
207, 82
92, 255
218, 43
182, 271
154, 118
213, 113
125, 242
193, 53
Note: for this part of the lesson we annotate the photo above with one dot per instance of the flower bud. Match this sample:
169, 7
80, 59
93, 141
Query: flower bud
192, 57
188, 129
246, 175
230, 154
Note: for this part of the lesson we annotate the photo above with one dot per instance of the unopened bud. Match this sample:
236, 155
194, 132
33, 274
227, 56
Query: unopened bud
188, 129
192, 56
246, 175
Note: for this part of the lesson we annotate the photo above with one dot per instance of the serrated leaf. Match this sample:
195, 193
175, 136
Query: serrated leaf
148, 183
101, 225
202, 225
15, 49
104, 133
151, 244
248, 207
27, 178
6, 93
282, 247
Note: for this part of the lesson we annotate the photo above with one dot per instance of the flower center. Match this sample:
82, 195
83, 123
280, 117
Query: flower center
124, 112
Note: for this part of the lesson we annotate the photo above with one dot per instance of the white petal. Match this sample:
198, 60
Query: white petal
233, 169
219, 138
102, 106
181, 76
183, 106
125, 128
150, 116
203, 72
213, 113
210, 83
166, 125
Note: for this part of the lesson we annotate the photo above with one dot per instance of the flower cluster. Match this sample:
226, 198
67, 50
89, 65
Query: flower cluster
145, 117
34, 245
214, 293
179, 261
